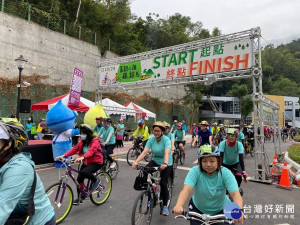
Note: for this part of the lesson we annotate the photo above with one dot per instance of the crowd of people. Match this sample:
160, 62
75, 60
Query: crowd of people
220, 161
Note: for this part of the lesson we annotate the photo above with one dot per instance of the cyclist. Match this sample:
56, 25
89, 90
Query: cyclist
208, 182
250, 136
204, 134
90, 152
245, 130
17, 177
108, 140
222, 133
214, 130
293, 132
174, 126
180, 138
232, 155
170, 136
98, 126
142, 131
183, 126
194, 131
240, 136
162, 156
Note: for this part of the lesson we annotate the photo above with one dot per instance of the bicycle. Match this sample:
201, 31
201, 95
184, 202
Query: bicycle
136, 150
61, 194
196, 143
205, 219
249, 149
150, 197
284, 137
178, 154
113, 172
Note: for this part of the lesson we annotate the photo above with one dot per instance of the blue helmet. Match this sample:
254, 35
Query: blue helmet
141, 121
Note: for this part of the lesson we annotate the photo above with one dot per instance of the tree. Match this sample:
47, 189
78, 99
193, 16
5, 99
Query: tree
246, 107
240, 91
192, 99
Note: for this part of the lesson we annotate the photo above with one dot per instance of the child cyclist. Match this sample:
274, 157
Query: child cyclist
90, 153
209, 181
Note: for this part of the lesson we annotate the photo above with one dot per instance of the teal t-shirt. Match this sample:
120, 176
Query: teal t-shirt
106, 132
158, 149
210, 190
231, 154
240, 137
171, 136
174, 127
179, 134
120, 126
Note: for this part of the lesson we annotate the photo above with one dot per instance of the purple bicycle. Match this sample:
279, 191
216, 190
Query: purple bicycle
61, 195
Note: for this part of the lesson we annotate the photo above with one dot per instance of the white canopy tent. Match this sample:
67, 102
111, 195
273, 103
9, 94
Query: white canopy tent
112, 107
140, 110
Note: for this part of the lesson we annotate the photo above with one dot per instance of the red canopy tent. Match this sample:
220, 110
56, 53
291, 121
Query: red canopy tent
84, 104
140, 111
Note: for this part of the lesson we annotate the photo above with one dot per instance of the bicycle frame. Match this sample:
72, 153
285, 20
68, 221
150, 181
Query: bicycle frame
64, 180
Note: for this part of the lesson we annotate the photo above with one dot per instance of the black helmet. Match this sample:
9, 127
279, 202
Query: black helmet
85, 128
108, 120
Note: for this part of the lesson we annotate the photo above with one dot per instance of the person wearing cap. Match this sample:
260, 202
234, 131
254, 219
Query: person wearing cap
214, 130
180, 138
120, 134
143, 131
108, 140
207, 183
222, 133
203, 135
160, 146
194, 131
98, 126
90, 153
40, 129
232, 155
174, 126
17, 178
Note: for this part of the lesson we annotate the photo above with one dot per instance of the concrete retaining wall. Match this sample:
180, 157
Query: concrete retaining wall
48, 52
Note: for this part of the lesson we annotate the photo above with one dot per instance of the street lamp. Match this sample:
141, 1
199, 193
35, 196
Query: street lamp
283, 122
21, 64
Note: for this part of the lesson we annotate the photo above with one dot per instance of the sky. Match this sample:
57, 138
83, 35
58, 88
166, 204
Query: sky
279, 20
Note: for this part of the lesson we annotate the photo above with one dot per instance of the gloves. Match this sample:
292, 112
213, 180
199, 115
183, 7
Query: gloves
244, 174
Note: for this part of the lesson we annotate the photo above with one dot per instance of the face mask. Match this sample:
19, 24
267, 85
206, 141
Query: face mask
83, 136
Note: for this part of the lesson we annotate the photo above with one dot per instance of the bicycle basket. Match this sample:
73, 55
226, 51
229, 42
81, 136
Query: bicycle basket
140, 182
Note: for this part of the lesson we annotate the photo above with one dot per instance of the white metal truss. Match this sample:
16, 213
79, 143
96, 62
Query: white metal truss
255, 72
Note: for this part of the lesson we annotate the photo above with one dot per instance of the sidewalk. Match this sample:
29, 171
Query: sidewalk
129, 144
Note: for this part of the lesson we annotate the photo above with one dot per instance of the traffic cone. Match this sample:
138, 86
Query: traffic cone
285, 180
275, 161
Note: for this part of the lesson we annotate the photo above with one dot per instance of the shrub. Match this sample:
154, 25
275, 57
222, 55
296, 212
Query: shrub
294, 153
297, 138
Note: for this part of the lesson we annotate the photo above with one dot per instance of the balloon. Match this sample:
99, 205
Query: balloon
90, 116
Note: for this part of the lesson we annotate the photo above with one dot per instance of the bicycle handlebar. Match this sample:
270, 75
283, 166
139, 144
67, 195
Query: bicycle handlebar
145, 168
66, 160
203, 217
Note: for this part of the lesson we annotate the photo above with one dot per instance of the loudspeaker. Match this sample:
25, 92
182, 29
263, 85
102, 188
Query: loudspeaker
175, 118
25, 105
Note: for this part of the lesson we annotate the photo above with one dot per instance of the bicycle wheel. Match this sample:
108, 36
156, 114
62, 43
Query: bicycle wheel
62, 204
251, 150
170, 189
131, 156
142, 209
182, 158
113, 172
102, 192
148, 157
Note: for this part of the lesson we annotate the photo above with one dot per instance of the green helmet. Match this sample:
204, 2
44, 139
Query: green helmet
231, 131
206, 150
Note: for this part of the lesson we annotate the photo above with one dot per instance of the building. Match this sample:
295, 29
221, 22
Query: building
226, 110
